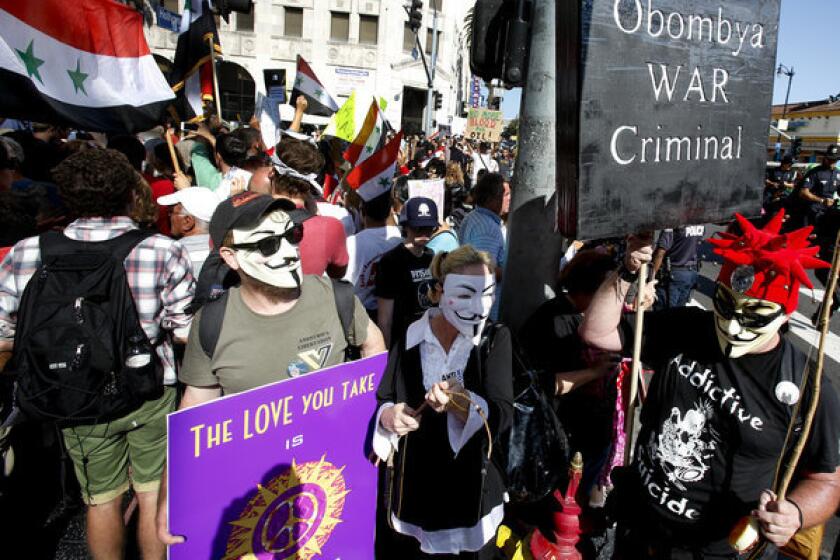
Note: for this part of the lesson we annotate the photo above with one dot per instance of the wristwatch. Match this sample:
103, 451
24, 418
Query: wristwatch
625, 274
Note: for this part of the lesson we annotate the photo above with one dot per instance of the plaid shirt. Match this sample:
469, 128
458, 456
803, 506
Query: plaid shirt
159, 275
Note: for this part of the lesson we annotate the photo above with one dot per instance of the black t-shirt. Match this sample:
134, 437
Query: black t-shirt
407, 280
549, 337
712, 427
552, 345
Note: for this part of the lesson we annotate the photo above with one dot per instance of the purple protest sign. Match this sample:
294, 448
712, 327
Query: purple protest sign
279, 471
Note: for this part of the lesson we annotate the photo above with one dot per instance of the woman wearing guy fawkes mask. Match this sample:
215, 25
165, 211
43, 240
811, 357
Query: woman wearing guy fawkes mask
714, 422
439, 396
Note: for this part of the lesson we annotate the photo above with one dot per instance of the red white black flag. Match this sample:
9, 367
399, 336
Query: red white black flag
308, 85
84, 64
192, 70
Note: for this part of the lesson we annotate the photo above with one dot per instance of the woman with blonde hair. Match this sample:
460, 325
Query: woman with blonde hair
445, 398
454, 175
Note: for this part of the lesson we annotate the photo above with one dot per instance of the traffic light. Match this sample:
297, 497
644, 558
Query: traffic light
488, 39
494, 103
438, 101
415, 15
500, 39
225, 7
796, 147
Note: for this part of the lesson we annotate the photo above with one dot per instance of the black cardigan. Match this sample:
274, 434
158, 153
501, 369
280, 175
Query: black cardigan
432, 488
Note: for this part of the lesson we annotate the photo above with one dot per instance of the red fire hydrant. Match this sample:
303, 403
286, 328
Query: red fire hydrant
566, 522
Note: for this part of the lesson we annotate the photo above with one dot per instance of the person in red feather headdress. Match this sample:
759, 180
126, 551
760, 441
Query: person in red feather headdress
714, 422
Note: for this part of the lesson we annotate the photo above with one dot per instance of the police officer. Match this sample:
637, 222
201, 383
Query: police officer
819, 188
821, 183
778, 184
676, 249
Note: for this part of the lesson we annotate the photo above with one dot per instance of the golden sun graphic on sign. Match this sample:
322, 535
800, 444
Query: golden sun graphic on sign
292, 516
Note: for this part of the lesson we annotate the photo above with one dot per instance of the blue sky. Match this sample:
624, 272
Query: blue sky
808, 34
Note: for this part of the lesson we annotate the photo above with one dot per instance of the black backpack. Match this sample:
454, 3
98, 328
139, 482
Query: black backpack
213, 314
534, 452
80, 354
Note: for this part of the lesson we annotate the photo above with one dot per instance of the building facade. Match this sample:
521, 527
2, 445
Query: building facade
363, 45
816, 123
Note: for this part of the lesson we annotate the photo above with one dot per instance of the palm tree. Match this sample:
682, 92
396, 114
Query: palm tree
468, 28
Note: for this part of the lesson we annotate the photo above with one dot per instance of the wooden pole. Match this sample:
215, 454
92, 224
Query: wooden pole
215, 76
825, 311
635, 372
172, 155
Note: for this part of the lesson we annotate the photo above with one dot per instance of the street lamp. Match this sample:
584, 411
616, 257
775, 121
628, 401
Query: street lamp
784, 70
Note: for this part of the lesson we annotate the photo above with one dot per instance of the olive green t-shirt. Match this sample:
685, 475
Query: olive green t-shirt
255, 350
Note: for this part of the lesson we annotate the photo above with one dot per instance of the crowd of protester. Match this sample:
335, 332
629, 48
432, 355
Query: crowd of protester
256, 265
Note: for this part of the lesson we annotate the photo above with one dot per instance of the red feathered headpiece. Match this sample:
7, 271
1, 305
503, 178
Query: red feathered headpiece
765, 264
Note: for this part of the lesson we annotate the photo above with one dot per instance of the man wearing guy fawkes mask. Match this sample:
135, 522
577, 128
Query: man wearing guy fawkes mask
278, 322
718, 408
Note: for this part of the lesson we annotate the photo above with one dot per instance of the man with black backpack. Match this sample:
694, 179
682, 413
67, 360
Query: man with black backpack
278, 323
90, 315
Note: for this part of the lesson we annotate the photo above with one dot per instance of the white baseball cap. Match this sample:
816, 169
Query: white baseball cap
199, 202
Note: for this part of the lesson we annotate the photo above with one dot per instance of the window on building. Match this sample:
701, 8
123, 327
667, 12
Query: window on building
339, 26
429, 36
245, 22
408, 39
173, 5
368, 30
294, 22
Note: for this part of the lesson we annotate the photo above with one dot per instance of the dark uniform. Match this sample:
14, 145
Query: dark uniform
824, 181
774, 196
679, 272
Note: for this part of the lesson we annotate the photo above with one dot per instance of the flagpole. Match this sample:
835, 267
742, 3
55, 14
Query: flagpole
215, 76
172, 155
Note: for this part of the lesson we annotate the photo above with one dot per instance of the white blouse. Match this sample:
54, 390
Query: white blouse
438, 365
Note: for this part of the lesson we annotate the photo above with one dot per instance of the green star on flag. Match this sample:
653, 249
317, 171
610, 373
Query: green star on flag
318, 93
369, 149
384, 182
378, 130
298, 82
78, 77
31, 62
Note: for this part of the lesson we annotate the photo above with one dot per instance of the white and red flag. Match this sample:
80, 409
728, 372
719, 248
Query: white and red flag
374, 176
84, 64
307, 84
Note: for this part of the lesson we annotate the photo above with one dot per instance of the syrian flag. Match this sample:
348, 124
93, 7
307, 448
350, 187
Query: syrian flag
373, 176
370, 139
308, 85
192, 74
83, 64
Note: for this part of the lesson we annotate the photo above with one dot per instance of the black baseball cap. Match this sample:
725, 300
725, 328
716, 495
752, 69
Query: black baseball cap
832, 151
245, 210
420, 212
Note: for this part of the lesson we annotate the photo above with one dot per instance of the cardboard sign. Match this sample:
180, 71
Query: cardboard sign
484, 125
663, 112
429, 188
279, 471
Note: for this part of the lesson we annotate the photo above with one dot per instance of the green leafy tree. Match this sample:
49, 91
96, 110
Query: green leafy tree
512, 128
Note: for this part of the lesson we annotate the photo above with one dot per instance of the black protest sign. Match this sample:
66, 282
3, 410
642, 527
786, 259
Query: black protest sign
663, 108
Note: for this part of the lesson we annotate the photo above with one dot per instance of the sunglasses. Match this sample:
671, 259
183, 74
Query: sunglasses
747, 315
268, 246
